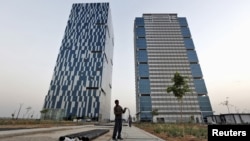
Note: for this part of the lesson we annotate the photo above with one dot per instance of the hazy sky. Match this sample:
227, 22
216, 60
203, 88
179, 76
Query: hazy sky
31, 32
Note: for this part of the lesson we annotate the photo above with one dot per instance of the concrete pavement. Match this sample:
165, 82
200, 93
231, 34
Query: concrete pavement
53, 133
135, 134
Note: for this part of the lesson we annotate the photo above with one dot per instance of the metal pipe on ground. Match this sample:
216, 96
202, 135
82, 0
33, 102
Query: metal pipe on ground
86, 135
94, 134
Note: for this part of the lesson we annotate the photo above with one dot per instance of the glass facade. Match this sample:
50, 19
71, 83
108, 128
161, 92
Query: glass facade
162, 46
82, 79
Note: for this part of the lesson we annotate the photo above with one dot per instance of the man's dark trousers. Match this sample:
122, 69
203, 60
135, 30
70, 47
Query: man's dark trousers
118, 127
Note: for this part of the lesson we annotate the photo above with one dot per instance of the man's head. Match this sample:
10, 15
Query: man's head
117, 102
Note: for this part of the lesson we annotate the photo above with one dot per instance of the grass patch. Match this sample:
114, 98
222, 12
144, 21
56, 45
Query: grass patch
34, 123
171, 130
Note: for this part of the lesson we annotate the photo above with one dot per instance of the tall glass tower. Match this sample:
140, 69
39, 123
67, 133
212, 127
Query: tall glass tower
82, 79
163, 46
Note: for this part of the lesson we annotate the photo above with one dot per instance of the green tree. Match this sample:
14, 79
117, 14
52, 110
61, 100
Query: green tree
12, 115
44, 112
154, 113
179, 88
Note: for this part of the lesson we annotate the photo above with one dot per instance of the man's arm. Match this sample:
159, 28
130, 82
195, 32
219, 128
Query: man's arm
124, 110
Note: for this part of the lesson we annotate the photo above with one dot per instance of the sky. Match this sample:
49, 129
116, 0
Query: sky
31, 32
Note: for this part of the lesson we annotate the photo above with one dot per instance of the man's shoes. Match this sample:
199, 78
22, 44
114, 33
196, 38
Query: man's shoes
120, 138
114, 139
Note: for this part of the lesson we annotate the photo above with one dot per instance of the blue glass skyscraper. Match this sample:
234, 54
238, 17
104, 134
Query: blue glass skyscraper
82, 79
163, 45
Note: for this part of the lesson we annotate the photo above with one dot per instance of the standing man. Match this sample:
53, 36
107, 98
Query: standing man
118, 111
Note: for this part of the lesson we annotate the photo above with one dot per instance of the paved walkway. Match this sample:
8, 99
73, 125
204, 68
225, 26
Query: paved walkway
53, 133
136, 134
